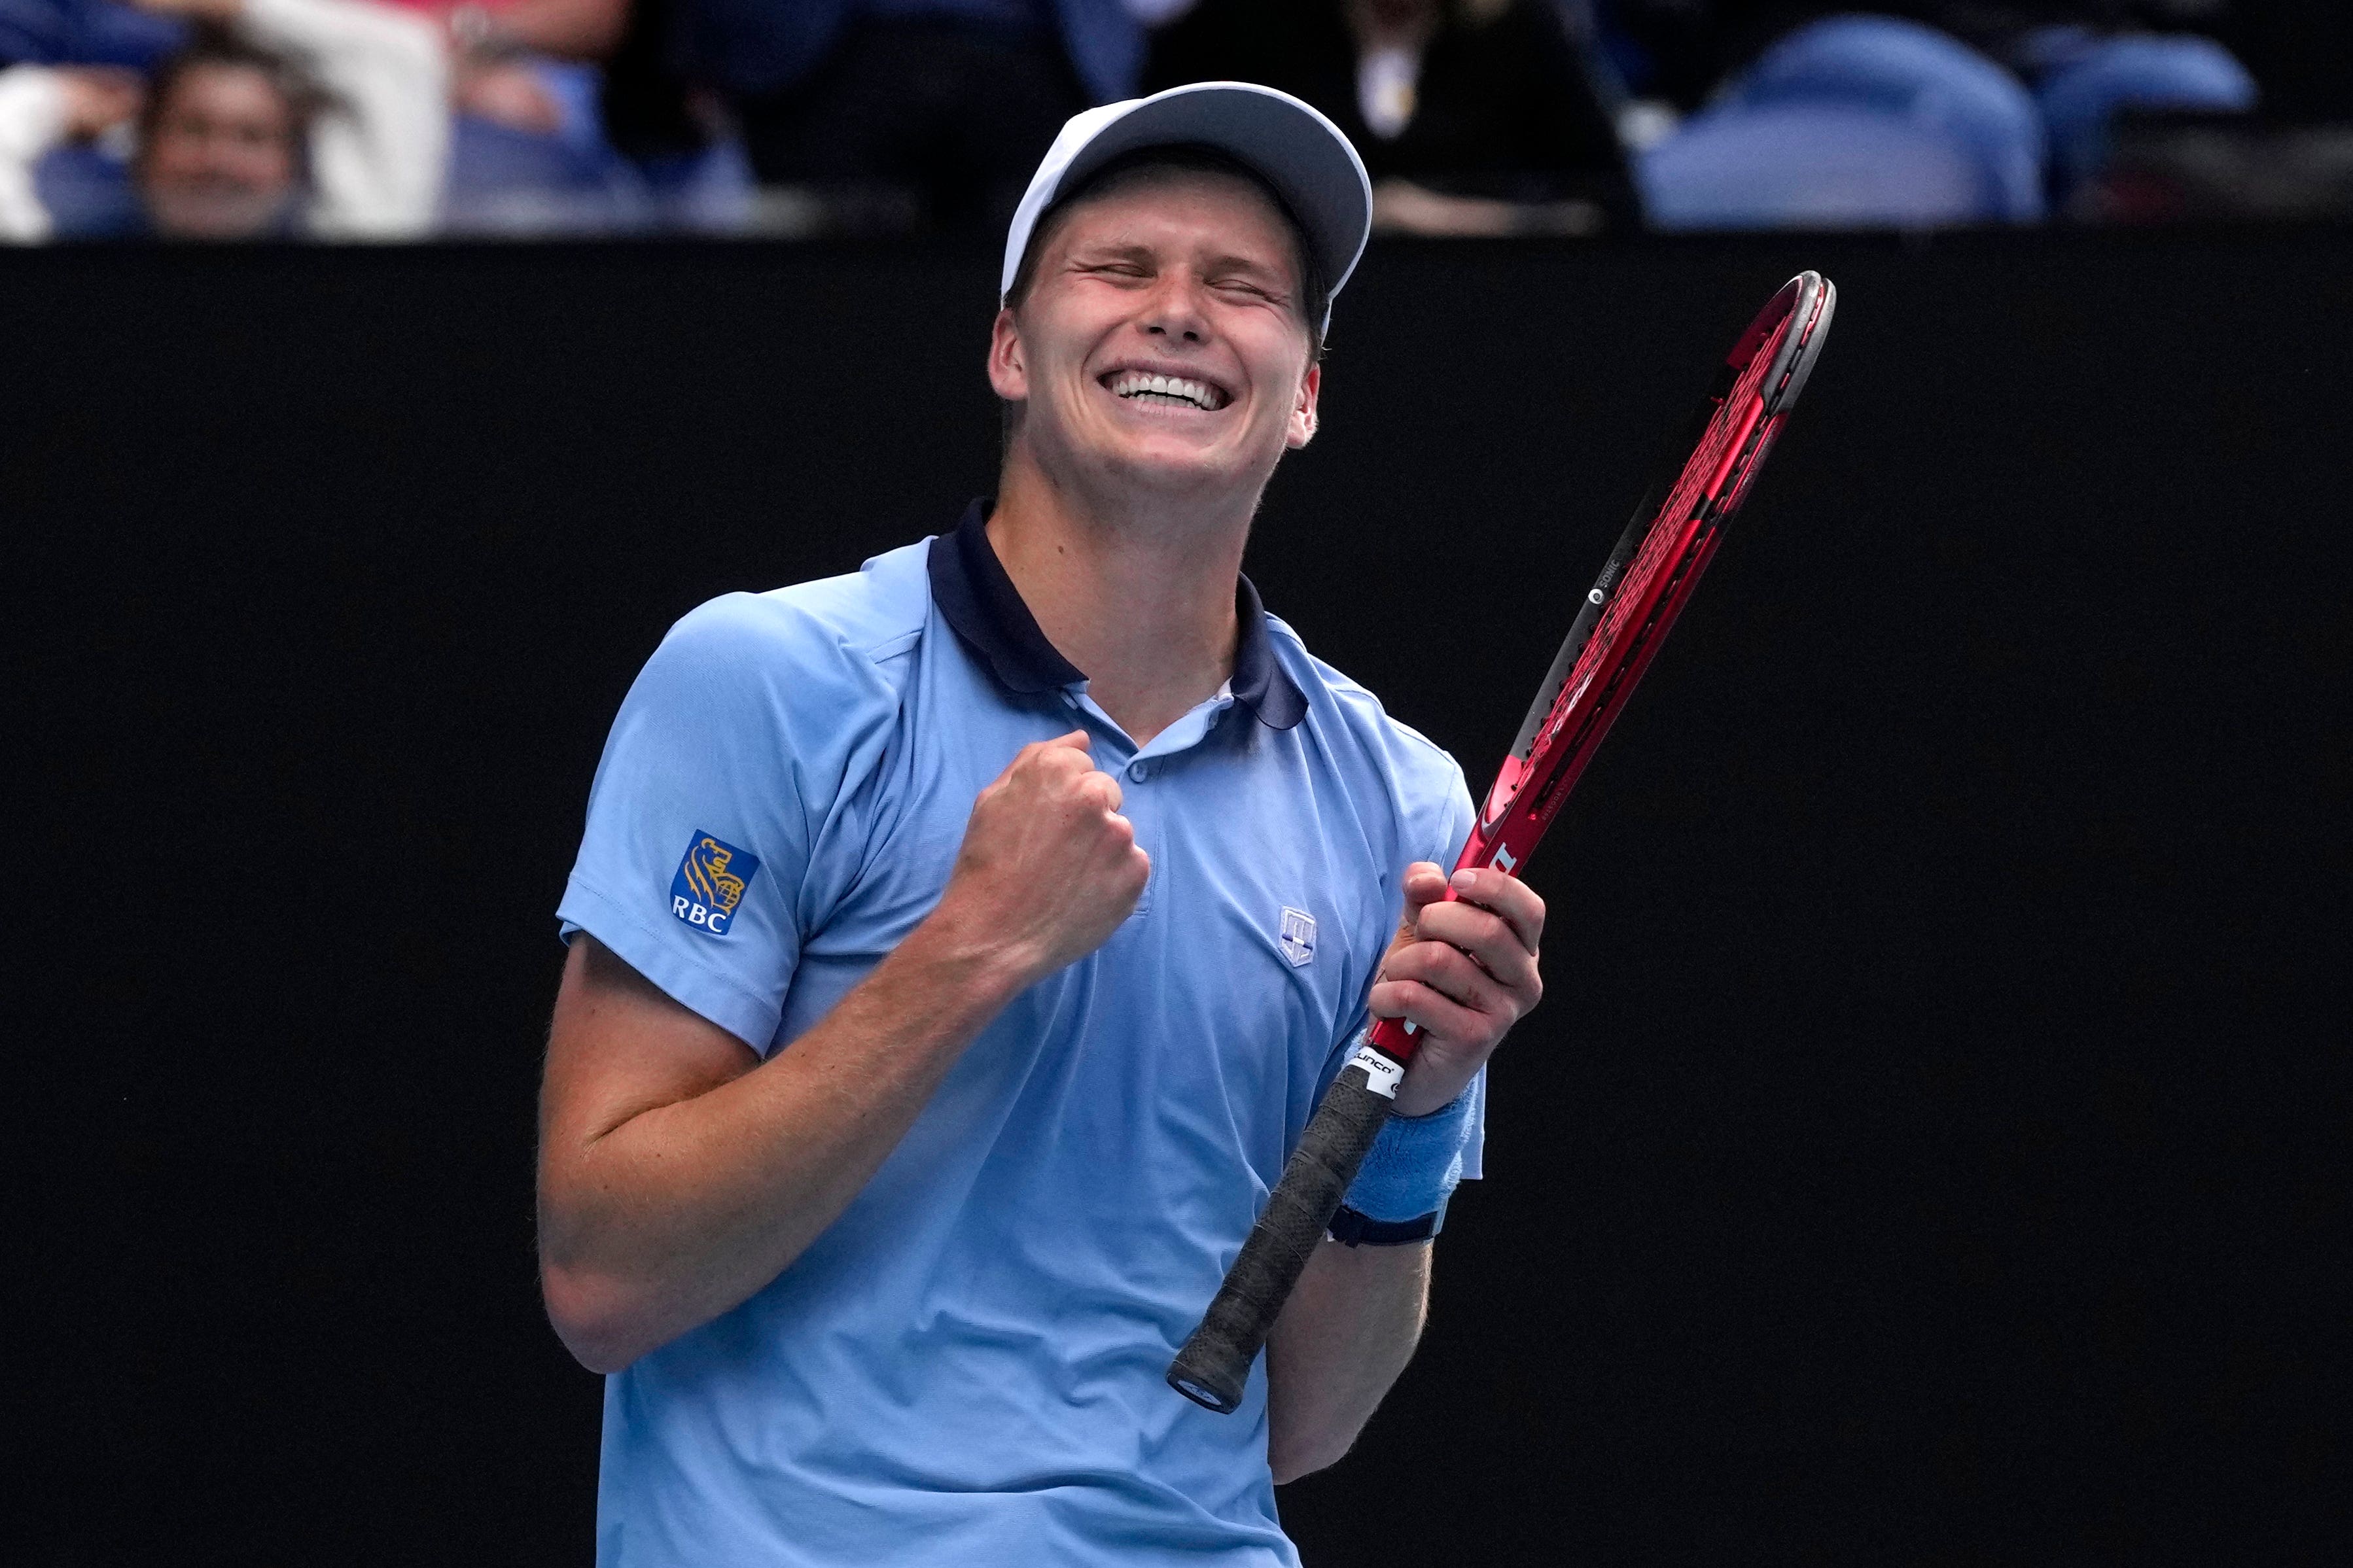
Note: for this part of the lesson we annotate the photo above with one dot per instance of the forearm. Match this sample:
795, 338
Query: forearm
569, 29
1348, 1331
683, 1210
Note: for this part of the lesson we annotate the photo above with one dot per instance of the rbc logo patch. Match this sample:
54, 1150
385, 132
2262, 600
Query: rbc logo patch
1297, 938
709, 884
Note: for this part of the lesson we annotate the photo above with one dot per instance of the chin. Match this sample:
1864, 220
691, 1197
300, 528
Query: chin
1178, 466
1166, 460
214, 217
1180, 473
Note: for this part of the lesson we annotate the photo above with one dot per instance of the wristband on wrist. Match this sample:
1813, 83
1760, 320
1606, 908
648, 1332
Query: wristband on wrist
1352, 1230
1400, 1191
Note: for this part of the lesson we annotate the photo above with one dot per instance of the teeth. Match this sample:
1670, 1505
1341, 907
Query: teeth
1141, 383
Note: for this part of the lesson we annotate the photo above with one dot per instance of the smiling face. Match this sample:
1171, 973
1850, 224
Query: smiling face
220, 159
1163, 343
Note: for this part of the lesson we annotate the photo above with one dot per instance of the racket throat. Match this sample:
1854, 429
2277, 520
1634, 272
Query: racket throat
1383, 1068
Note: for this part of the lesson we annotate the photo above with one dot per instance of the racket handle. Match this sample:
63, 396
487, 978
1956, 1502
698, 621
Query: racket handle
1214, 1366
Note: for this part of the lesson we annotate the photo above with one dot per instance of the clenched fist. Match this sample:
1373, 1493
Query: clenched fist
1049, 868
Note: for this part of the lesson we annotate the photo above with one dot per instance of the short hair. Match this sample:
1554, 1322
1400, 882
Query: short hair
1315, 292
211, 46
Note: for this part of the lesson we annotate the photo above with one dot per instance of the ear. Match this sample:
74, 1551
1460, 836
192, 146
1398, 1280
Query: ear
1304, 420
1008, 373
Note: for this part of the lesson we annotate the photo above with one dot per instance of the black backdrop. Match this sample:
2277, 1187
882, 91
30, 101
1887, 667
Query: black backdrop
1927, 1152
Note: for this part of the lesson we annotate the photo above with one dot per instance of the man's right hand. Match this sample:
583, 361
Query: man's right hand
679, 1174
1048, 868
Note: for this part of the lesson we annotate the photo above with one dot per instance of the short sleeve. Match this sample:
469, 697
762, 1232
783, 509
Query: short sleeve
1437, 818
721, 825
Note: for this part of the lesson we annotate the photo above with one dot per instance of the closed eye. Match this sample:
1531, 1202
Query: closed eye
1123, 268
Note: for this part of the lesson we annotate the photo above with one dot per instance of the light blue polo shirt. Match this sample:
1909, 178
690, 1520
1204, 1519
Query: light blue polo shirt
967, 1367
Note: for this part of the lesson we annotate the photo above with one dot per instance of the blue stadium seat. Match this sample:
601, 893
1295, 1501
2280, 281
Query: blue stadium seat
710, 192
2085, 87
1919, 77
1812, 166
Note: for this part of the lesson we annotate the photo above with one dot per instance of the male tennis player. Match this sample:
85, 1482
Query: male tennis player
959, 945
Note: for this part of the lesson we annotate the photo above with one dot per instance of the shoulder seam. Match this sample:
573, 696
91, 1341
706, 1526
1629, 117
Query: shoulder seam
1338, 683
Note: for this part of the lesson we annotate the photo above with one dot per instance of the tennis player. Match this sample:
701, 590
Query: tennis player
958, 946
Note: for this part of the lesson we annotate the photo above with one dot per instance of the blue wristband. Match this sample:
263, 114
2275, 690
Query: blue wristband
1412, 1167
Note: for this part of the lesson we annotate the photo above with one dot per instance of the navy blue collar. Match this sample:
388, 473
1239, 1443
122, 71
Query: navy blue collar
973, 592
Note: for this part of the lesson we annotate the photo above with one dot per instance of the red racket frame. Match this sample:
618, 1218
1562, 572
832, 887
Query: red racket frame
1637, 601
1644, 586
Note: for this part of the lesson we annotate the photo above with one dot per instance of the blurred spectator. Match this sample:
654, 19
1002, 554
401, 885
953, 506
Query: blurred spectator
572, 119
676, 131
910, 114
275, 118
529, 153
1473, 116
492, 53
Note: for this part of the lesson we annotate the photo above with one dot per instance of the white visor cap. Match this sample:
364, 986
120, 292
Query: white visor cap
1297, 150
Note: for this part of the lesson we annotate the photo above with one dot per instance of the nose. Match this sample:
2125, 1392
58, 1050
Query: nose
1174, 310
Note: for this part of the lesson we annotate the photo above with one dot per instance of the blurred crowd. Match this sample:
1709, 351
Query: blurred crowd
364, 119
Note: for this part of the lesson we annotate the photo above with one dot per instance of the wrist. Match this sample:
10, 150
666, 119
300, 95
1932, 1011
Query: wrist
1409, 1172
1420, 1097
969, 956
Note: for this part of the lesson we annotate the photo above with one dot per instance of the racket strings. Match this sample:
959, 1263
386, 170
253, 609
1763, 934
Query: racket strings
1684, 504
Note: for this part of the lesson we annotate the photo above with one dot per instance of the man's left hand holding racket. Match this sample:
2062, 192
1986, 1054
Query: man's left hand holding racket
1464, 970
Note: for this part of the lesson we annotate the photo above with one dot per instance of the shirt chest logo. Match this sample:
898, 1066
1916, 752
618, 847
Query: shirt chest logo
709, 884
1297, 937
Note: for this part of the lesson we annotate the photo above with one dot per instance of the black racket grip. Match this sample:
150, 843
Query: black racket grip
1214, 1366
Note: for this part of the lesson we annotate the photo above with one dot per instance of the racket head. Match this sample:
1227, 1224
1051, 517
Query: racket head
1811, 300
1788, 335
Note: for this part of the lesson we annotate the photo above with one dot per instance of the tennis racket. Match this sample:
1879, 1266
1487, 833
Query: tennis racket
1642, 588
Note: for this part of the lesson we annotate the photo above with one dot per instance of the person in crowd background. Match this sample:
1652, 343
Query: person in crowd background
673, 133
274, 119
1473, 116
491, 52
574, 116
904, 115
